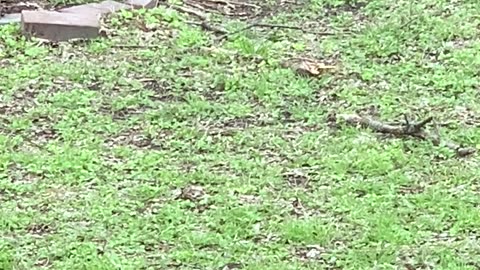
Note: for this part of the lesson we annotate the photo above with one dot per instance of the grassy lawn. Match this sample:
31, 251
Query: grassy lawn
187, 152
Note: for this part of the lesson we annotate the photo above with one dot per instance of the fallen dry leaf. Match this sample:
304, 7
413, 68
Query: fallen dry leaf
249, 199
308, 67
296, 178
297, 208
142, 26
310, 252
192, 193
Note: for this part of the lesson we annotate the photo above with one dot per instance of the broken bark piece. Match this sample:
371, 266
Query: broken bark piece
142, 3
102, 8
408, 129
56, 26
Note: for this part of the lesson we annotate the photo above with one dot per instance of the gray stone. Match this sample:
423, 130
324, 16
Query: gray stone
99, 9
142, 3
56, 26
10, 18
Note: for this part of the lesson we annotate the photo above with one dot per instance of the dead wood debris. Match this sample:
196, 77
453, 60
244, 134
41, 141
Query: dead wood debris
209, 27
206, 25
275, 26
190, 11
408, 128
227, 8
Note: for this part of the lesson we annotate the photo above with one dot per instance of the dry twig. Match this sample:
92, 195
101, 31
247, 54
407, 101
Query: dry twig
416, 130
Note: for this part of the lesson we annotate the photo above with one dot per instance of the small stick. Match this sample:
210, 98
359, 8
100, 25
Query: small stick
405, 117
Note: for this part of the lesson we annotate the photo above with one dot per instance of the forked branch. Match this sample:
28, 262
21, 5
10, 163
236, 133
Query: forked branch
416, 130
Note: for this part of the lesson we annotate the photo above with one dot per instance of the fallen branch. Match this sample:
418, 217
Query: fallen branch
190, 11
224, 34
231, 4
126, 46
278, 26
204, 24
416, 130
208, 27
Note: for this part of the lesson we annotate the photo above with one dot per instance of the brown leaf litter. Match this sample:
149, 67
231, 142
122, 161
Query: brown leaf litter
308, 67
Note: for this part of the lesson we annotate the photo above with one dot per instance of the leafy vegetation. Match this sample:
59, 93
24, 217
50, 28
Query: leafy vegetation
160, 147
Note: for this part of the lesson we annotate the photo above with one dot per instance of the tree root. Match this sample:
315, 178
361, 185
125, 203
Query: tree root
412, 129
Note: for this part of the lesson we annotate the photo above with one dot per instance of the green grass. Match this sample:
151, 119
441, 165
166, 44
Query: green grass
189, 153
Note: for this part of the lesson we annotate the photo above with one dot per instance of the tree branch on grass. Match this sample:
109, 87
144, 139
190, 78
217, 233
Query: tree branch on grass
190, 11
277, 26
208, 27
204, 24
416, 130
